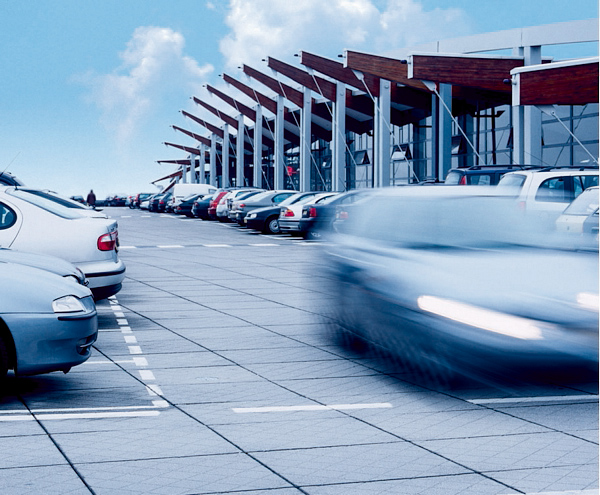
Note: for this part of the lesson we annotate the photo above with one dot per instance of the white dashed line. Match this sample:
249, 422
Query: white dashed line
217, 245
173, 246
130, 339
146, 375
153, 390
135, 349
127, 247
513, 400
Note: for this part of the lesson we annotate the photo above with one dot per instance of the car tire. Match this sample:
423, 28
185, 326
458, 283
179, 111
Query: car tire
271, 226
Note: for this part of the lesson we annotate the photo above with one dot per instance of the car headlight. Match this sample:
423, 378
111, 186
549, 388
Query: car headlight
68, 304
486, 319
251, 216
587, 300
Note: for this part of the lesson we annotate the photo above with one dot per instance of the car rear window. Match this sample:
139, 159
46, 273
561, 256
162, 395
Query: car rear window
453, 178
511, 184
45, 204
585, 204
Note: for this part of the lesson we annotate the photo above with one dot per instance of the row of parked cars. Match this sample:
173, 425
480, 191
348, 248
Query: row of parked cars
57, 257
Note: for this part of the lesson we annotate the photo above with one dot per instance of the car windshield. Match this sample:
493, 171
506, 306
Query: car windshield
49, 205
57, 199
247, 194
585, 204
260, 196
511, 184
453, 178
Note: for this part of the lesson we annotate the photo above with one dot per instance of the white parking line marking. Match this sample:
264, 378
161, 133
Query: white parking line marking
315, 407
125, 216
216, 245
155, 404
146, 375
120, 314
122, 321
512, 400
123, 414
135, 349
130, 339
127, 247
153, 390
263, 244
140, 361
126, 330
90, 361
173, 246
116, 307
568, 492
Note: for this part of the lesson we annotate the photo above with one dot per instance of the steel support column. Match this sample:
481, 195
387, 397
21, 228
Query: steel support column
444, 142
225, 157
257, 160
338, 140
279, 161
305, 141
381, 145
212, 174
201, 177
532, 117
239, 162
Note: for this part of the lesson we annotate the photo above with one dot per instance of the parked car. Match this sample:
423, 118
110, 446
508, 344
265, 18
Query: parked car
181, 191
581, 216
158, 203
201, 205
546, 192
29, 222
185, 206
138, 198
260, 200
234, 201
317, 219
456, 281
47, 323
266, 219
117, 200
289, 215
79, 199
212, 208
480, 175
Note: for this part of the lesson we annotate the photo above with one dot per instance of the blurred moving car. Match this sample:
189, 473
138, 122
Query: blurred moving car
47, 323
455, 281
51, 264
317, 219
290, 214
581, 216
29, 222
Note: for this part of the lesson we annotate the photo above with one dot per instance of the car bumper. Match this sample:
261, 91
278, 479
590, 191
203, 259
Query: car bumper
104, 277
289, 225
254, 223
46, 342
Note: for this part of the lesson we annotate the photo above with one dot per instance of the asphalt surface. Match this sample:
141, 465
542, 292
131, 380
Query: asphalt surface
214, 372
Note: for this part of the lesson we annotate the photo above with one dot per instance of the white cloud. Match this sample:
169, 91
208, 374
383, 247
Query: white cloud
280, 28
153, 68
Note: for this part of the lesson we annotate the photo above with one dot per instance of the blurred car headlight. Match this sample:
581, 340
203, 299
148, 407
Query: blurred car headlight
251, 216
486, 319
68, 304
587, 300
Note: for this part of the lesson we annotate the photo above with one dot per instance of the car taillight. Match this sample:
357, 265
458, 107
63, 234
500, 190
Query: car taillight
108, 242
463, 181
343, 215
241, 205
288, 213
522, 205
312, 212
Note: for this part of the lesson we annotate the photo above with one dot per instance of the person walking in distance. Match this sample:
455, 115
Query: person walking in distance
91, 198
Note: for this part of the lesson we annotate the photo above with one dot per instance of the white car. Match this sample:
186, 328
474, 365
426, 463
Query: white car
547, 192
291, 213
29, 222
580, 214
86, 210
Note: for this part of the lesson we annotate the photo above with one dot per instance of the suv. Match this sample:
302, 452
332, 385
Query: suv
480, 175
548, 191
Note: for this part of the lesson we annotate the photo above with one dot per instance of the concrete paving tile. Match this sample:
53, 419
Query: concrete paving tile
317, 431
310, 369
154, 441
49, 480
11, 428
460, 484
511, 452
28, 451
214, 374
242, 392
356, 463
298, 353
218, 320
181, 360
264, 343
553, 479
452, 424
562, 417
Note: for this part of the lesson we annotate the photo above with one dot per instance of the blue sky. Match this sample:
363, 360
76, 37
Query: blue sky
90, 89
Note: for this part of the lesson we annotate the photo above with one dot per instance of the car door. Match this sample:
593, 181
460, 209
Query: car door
10, 224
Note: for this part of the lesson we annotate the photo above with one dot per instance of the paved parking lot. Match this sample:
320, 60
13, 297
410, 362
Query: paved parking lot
213, 373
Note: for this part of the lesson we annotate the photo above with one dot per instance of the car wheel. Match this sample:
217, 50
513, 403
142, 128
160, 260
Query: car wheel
3, 358
271, 226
